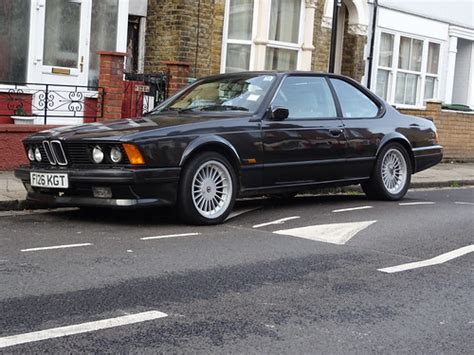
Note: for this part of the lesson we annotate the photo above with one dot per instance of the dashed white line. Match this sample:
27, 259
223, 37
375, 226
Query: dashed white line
440, 259
170, 236
335, 233
416, 203
57, 247
464, 203
278, 221
79, 328
353, 209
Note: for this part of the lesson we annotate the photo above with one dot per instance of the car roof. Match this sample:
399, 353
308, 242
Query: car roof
278, 73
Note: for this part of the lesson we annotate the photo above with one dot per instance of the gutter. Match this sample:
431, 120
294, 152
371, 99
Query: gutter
372, 44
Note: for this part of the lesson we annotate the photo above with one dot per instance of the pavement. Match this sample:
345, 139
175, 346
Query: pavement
13, 194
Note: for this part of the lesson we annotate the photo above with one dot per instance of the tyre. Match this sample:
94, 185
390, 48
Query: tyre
391, 176
207, 190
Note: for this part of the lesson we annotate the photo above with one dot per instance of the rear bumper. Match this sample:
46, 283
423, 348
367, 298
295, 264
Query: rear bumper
426, 157
128, 187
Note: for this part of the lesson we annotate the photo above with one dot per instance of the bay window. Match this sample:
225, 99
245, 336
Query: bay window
239, 35
14, 39
262, 34
407, 70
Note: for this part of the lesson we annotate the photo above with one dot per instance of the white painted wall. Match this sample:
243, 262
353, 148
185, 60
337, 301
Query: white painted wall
464, 65
138, 7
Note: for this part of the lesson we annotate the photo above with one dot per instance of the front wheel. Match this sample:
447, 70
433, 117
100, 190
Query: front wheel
208, 189
392, 174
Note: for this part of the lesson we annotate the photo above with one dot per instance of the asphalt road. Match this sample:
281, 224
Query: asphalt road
319, 285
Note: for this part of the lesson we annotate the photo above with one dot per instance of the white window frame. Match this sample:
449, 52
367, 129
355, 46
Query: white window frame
253, 42
297, 47
394, 70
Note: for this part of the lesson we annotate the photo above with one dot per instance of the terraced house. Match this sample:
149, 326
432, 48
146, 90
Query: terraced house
405, 51
63, 61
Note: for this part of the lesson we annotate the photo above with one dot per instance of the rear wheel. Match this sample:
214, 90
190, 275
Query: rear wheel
392, 174
208, 189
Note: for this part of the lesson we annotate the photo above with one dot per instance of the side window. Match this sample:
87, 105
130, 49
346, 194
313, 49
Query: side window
306, 97
354, 103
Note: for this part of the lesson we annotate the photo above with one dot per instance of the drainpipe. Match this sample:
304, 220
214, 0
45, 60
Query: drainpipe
332, 54
372, 45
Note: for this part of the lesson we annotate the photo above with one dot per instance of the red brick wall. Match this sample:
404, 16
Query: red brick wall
111, 79
455, 130
10, 101
12, 151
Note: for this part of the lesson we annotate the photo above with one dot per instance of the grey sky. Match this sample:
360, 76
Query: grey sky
458, 12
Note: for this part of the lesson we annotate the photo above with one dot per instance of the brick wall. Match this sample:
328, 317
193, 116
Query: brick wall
455, 130
172, 35
321, 41
111, 79
13, 154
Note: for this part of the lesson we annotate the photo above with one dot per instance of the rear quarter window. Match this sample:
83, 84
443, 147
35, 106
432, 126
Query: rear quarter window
354, 103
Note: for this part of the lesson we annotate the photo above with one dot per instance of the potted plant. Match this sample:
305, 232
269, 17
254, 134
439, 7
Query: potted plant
22, 117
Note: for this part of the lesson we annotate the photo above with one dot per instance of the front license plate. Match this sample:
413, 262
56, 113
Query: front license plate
55, 181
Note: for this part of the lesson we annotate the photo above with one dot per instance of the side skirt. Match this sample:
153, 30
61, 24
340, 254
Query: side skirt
300, 186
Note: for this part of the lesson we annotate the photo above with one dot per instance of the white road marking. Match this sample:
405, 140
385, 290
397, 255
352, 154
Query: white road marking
79, 328
238, 213
440, 259
415, 203
464, 203
353, 209
58, 247
335, 233
278, 221
170, 236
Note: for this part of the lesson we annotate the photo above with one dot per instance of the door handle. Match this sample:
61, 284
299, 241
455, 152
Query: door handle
336, 132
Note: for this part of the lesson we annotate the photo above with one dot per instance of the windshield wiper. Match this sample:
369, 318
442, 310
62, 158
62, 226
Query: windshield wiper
214, 108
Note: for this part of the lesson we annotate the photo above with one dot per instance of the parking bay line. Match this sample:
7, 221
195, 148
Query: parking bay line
170, 236
57, 247
79, 328
353, 209
278, 221
440, 259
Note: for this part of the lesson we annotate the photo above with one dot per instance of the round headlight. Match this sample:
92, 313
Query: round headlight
115, 155
31, 154
37, 154
97, 155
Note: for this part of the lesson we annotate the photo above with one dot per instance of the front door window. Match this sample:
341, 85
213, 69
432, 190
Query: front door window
61, 35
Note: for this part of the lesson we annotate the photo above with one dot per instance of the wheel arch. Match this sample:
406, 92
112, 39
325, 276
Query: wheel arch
398, 138
212, 144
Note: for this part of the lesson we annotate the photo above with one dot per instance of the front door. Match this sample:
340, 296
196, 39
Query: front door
63, 30
309, 146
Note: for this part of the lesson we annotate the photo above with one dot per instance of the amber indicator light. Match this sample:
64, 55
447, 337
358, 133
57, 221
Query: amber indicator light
133, 154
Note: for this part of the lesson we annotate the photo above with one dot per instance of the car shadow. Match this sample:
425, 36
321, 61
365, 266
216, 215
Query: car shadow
169, 215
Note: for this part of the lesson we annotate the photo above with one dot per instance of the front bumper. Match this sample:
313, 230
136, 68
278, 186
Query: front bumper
129, 187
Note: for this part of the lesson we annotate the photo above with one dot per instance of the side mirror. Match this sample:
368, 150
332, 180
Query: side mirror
280, 113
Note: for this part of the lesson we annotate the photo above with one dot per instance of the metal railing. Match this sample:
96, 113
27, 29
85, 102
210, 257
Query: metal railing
51, 100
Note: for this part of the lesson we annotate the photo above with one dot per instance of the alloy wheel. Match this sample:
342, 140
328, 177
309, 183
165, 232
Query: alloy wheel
394, 171
211, 189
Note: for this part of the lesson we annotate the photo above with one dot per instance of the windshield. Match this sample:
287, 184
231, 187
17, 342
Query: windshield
236, 93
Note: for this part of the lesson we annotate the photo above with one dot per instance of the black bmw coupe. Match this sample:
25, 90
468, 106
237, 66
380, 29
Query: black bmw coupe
234, 135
